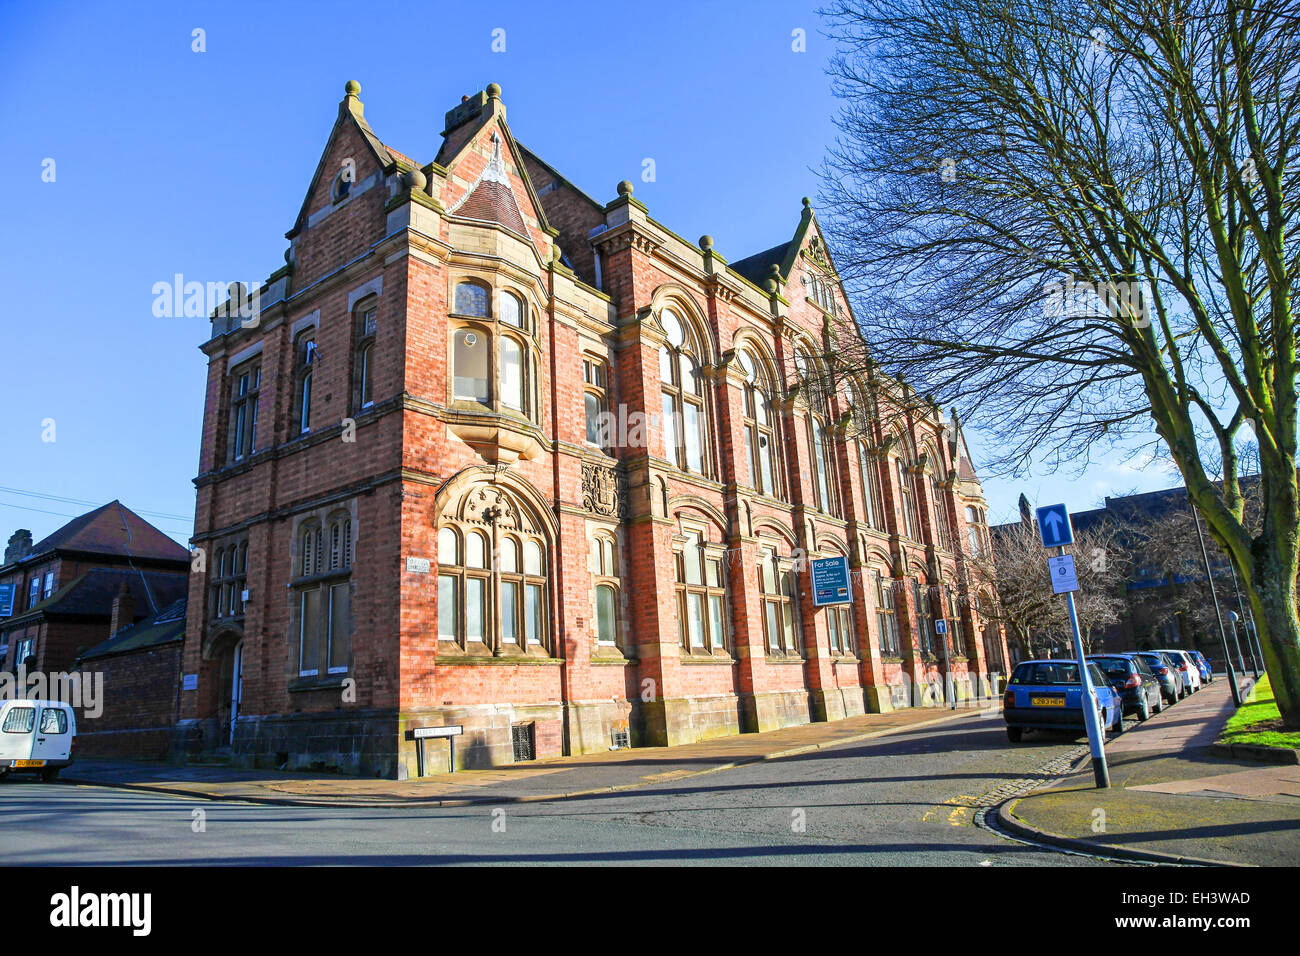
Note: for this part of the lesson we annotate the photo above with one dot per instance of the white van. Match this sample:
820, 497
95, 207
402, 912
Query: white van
36, 736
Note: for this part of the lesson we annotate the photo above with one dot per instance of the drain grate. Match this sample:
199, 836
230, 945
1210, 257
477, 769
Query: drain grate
521, 735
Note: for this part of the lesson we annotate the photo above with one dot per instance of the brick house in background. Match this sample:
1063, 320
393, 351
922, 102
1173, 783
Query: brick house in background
141, 666
57, 596
413, 509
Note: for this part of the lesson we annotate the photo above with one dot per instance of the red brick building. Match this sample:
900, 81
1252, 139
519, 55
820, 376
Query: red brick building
58, 596
140, 668
496, 453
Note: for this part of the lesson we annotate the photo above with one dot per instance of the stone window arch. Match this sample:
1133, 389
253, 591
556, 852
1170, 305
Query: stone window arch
821, 437
685, 403
886, 612
366, 327
304, 352
493, 576
322, 595
472, 298
701, 586
779, 593
607, 590
762, 424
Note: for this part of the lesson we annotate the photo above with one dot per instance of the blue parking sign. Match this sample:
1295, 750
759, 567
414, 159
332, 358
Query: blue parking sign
1054, 526
830, 578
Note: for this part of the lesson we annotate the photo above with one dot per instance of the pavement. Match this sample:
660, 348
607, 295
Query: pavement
911, 797
1172, 799
548, 779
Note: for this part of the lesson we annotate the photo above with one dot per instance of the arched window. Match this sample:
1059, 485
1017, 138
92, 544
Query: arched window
595, 399
343, 183
487, 606
776, 584
821, 448
886, 618
512, 310
604, 566
229, 575
873, 504
685, 420
472, 299
924, 618
907, 498
839, 623
973, 533
956, 624
701, 595
512, 373
305, 356
363, 373
940, 513
762, 449
323, 591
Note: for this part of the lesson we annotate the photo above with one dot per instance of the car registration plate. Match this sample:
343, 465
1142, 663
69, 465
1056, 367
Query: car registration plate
27, 763
1047, 701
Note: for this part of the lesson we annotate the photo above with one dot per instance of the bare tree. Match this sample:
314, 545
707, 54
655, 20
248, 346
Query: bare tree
1165, 546
1076, 219
1028, 607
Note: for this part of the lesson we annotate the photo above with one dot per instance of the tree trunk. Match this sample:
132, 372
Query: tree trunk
1273, 601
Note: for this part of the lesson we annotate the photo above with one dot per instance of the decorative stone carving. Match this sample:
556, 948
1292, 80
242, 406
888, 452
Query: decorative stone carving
489, 505
604, 490
817, 252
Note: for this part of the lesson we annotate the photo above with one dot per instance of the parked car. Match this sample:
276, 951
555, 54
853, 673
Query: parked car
36, 736
1191, 674
1048, 695
1134, 681
1207, 672
1166, 671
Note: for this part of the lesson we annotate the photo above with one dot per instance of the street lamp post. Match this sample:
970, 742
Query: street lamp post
1205, 556
1254, 661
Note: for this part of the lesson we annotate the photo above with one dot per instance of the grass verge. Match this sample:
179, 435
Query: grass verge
1259, 722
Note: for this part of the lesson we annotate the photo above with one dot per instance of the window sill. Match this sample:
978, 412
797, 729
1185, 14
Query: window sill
327, 682
509, 660
776, 657
705, 657
606, 654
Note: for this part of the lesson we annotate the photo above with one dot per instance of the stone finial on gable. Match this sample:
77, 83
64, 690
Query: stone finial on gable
352, 99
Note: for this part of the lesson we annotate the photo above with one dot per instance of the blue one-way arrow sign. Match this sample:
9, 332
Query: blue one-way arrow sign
1054, 526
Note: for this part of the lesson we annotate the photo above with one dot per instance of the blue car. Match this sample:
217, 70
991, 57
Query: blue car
1207, 673
1047, 695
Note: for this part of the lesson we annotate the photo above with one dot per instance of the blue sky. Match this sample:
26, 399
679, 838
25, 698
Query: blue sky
168, 160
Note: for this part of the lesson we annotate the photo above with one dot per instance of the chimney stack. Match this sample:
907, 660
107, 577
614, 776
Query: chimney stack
123, 610
20, 543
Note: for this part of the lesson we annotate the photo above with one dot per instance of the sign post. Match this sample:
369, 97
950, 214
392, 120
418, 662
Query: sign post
1056, 531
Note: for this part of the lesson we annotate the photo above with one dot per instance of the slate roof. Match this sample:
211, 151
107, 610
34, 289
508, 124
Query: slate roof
112, 529
165, 627
758, 267
91, 593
